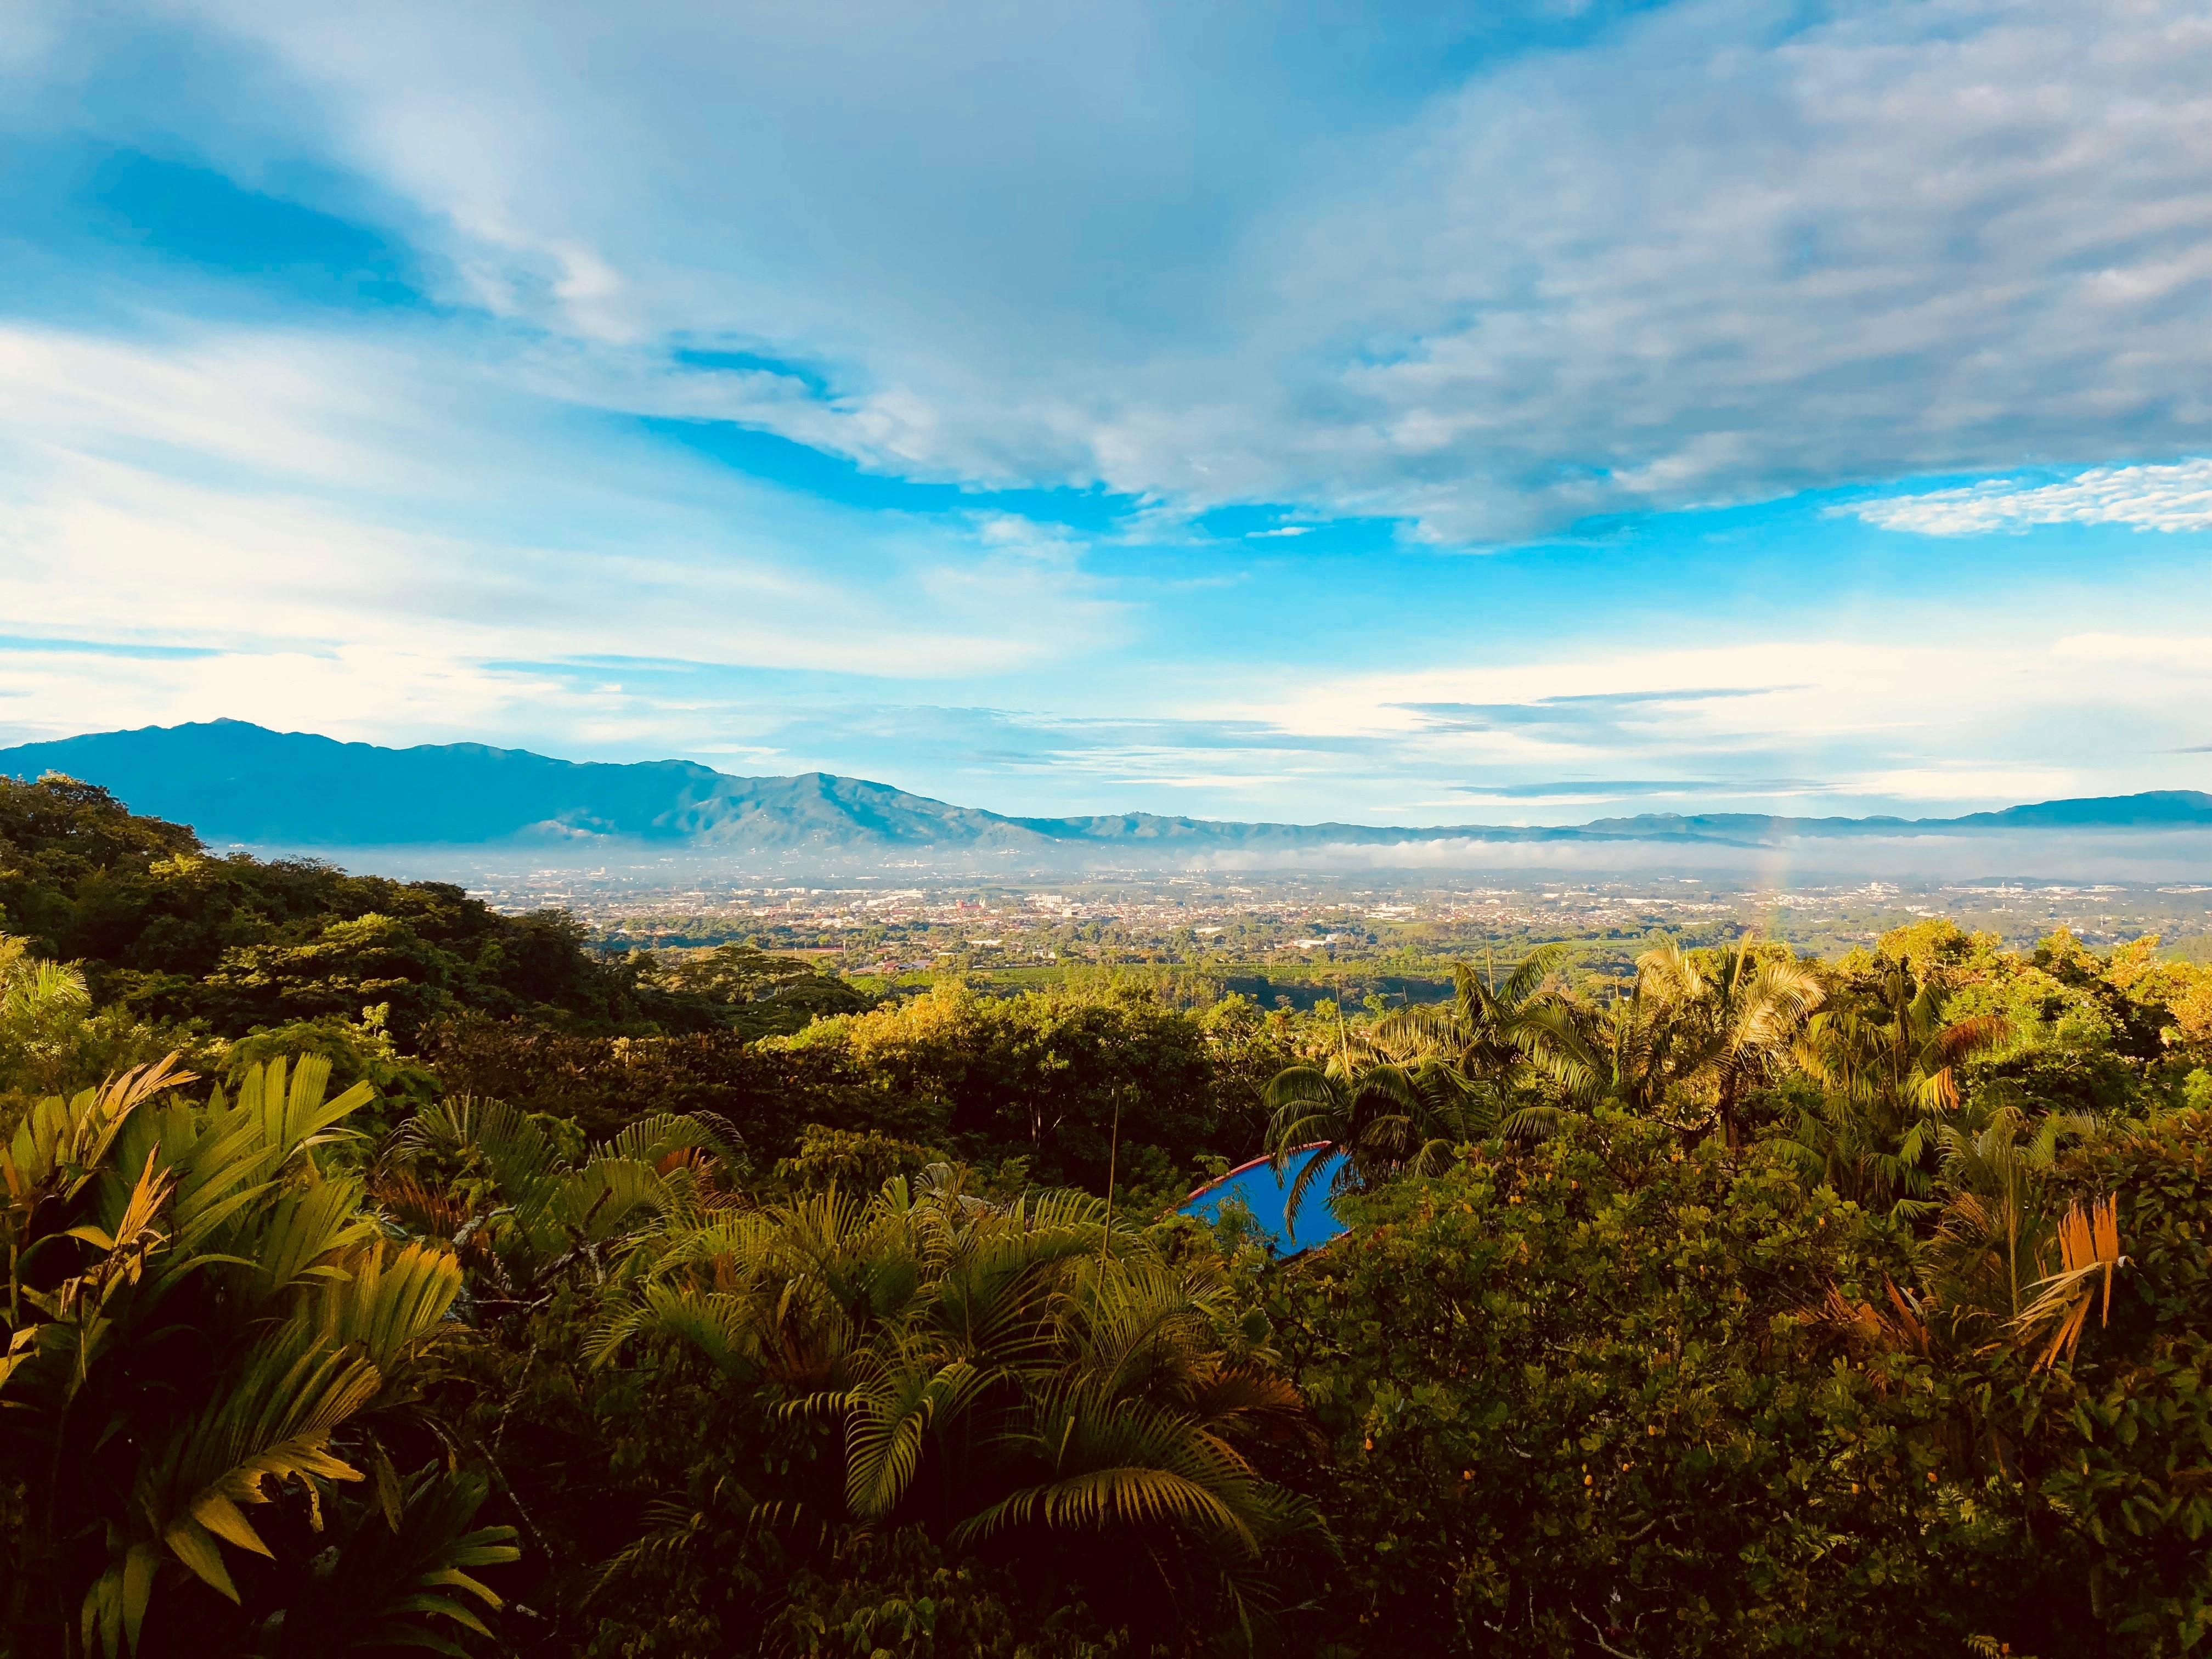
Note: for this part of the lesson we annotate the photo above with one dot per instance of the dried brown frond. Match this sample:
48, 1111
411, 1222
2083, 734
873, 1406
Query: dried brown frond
433, 1212
2089, 1241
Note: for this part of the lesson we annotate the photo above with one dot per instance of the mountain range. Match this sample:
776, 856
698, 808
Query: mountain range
242, 784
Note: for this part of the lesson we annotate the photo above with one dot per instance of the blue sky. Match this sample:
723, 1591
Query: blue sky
1502, 413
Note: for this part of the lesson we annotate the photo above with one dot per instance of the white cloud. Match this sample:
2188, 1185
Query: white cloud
1699, 266
1996, 785
1812, 724
370, 693
1881, 725
1718, 253
2140, 651
2175, 497
329, 517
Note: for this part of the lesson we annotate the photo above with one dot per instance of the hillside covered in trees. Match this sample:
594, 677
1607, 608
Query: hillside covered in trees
386, 1274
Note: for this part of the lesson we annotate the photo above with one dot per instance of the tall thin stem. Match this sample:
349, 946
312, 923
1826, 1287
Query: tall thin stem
1113, 1165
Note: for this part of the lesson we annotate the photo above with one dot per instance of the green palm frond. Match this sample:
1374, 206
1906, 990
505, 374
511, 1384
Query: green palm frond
398, 1583
889, 1411
514, 1150
71, 1139
1129, 1463
1889, 1074
652, 1139
1386, 1115
1261, 1402
1530, 1123
291, 1394
721, 1327
1525, 980
293, 1113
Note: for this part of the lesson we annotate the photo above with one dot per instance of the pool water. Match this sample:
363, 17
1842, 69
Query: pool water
1265, 1194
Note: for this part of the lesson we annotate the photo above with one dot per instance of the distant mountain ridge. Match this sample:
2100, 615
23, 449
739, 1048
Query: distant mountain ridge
238, 782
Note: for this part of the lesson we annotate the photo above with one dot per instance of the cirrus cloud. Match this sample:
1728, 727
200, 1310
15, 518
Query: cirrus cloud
2169, 498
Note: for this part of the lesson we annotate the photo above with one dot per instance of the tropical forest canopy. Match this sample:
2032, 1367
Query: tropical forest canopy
386, 1273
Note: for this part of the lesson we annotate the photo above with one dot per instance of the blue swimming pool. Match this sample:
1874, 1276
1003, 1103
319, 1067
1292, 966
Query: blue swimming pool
1265, 1194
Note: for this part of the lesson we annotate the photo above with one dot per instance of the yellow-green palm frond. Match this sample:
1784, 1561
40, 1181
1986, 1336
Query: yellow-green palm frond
1134, 1323
1128, 1464
70, 1138
290, 1395
309, 1322
661, 1136
605, 1200
292, 1109
305, 1228
1246, 1399
424, 1207
1669, 973
514, 1151
889, 1411
725, 1329
1419, 1029
388, 1302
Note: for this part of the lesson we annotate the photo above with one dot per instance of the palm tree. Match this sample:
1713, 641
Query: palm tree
1737, 1016
1996, 1228
1696, 1031
1388, 1103
43, 1006
2002, 1235
1478, 1031
1582, 1055
1398, 1098
1135, 1425
1889, 1078
1017, 1373
201, 1321
485, 1179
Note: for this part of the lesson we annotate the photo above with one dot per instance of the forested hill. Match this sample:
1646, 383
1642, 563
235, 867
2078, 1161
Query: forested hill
233, 944
238, 942
241, 784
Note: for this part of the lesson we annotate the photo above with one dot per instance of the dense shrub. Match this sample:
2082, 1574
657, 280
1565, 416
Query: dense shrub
1606, 1391
1037, 1078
